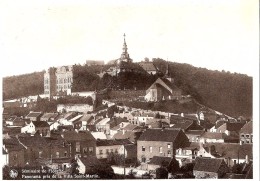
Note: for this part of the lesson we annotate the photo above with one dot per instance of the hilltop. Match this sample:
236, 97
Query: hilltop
230, 93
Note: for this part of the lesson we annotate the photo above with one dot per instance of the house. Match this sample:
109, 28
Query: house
232, 153
130, 135
103, 126
187, 154
106, 147
246, 133
85, 120
130, 152
149, 67
162, 89
36, 147
85, 164
14, 152
60, 148
49, 117
82, 143
34, 116
117, 128
160, 142
209, 137
41, 126
209, 168
230, 128
17, 121
156, 162
142, 118
99, 135
186, 125
194, 135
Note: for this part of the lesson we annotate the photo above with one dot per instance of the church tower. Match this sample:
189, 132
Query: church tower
125, 56
168, 75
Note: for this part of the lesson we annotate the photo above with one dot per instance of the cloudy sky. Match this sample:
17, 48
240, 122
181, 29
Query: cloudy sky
215, 34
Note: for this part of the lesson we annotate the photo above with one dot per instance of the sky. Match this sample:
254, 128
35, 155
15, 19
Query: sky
214, 34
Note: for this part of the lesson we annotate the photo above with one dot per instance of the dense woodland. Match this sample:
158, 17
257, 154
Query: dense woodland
230, 93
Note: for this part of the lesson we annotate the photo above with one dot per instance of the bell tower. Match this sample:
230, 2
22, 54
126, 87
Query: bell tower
125, 56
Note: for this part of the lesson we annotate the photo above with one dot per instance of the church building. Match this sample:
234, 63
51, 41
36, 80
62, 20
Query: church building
163, 89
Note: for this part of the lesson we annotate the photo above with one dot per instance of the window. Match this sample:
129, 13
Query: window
143, 159
242, 135
247, 141
65, 154
111, 150
90, 149
57, 154
85, 150
101, 152
247, 136
40, 154
107, 151
160, 149
151, 149
169, 153
168, 146
15, 157
116, 151
77, 147
143, 148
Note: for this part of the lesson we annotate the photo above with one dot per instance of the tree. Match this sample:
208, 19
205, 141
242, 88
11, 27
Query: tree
237, 168
103, 171
74, 167
173, 166
161, 173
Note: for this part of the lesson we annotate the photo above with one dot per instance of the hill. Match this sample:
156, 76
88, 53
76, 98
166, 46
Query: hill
23, 85
230, 93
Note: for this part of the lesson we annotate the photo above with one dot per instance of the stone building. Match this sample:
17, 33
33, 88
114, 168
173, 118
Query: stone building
58, 80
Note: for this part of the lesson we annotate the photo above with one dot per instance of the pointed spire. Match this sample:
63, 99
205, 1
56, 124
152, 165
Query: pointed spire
124, 38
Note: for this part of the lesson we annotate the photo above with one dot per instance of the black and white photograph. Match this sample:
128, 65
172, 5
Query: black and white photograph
116, 90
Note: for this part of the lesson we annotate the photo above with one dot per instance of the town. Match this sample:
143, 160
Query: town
122, 132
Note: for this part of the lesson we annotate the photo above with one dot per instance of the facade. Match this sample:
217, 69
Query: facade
209, 168
162, 89
160, 142
58, 80
246, 133
84, 108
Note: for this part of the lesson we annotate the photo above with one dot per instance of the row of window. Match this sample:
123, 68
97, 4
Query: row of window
246, 136
63, 87
85, 150
160, 148
57, 155
61, 81
107, 151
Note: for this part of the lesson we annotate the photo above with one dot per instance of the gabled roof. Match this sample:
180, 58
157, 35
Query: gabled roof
211, 135
247, 128
165, 135
232, 126
132, 136
183, 125
148, 66
89, 161
158, 160
87, 118
78, 136
34, 114
207, 164
32, 141
195, 132
40, 124
49, 116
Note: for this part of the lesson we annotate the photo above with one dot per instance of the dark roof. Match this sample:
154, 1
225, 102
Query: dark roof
131, 148
49, 115
40, 124
32, 141
168, 135
113, 142
34, 114
219, 123
148, 66
132, 136
12, 144
192, 146
174, 119
195, 132
247, 128
211, 135
233, 126
89, 161
78, 136
158, 160
183, 125
86, 117
207, 164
